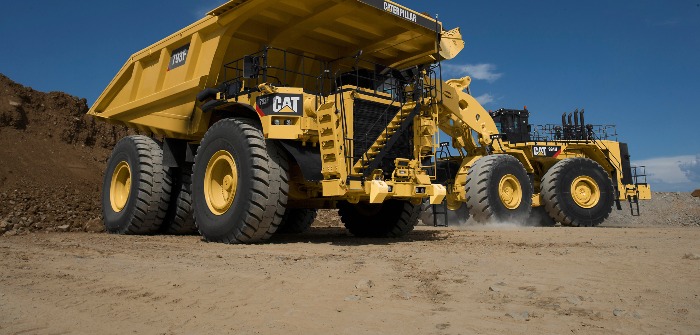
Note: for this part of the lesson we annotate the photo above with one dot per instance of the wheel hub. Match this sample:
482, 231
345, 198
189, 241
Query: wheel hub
510, 191
220, 182
585, 192
120, 186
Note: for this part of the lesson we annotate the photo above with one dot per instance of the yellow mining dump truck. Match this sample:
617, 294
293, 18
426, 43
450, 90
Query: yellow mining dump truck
265, 111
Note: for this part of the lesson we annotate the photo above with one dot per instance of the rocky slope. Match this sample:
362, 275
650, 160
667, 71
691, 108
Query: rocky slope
52, 157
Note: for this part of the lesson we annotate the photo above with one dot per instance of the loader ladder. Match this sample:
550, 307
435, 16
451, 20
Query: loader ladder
639, 176
443, 212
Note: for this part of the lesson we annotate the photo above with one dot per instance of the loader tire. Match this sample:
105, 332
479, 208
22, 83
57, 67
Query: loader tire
498, 189
393, 218
578, 192
136, 188
239, 183
180, 218
296, 221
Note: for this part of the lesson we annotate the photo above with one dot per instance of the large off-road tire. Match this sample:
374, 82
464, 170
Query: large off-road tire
180, 218
578, 192
296, 221
136, 189
239, 183
393, 218
498, 190
457, 217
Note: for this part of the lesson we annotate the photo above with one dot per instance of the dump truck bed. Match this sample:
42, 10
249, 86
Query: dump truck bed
155, 90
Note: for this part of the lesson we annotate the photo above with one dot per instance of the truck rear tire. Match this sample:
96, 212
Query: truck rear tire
499, 189
393, 218
296, 221
136, 189
239, 183
578, 192
180, 219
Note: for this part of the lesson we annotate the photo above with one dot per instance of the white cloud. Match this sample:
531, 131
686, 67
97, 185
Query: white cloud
483, 71
692, 169
672, 174
485, 98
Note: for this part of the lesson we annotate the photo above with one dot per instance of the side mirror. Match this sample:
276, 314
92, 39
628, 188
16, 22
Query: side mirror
251, 66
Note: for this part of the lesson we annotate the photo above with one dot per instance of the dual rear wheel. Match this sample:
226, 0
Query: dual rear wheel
140, 196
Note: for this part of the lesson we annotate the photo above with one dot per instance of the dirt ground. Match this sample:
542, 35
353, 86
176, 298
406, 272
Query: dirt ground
490, 280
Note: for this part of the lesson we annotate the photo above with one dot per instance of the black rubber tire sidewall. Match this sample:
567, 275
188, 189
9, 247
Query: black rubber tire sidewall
214, 226
502, 168
118, 222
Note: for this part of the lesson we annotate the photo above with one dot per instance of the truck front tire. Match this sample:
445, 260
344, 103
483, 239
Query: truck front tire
239, 183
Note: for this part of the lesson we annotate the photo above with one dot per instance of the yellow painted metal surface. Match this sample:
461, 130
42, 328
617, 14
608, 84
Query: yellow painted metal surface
220, 182
120, 186
510, 191
585, 191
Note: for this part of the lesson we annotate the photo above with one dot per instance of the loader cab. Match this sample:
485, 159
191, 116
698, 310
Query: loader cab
513, 124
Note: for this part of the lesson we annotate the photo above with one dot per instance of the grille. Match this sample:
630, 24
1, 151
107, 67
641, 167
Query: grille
370, 119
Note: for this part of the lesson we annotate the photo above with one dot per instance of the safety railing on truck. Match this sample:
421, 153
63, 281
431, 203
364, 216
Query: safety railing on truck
555, 132
278, 67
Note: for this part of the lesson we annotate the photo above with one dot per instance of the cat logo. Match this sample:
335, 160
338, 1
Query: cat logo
289, 104
549, 151
286, 104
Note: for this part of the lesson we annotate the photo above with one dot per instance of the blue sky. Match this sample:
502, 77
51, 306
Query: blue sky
635, 64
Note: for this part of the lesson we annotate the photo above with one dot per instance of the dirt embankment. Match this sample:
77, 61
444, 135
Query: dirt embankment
52, 157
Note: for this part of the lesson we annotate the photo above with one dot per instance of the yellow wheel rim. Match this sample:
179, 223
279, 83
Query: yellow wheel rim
585, 192
120, 187
510, 191
220, 182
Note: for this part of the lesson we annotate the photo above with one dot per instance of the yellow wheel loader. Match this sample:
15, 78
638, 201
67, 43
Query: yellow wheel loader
264, 111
